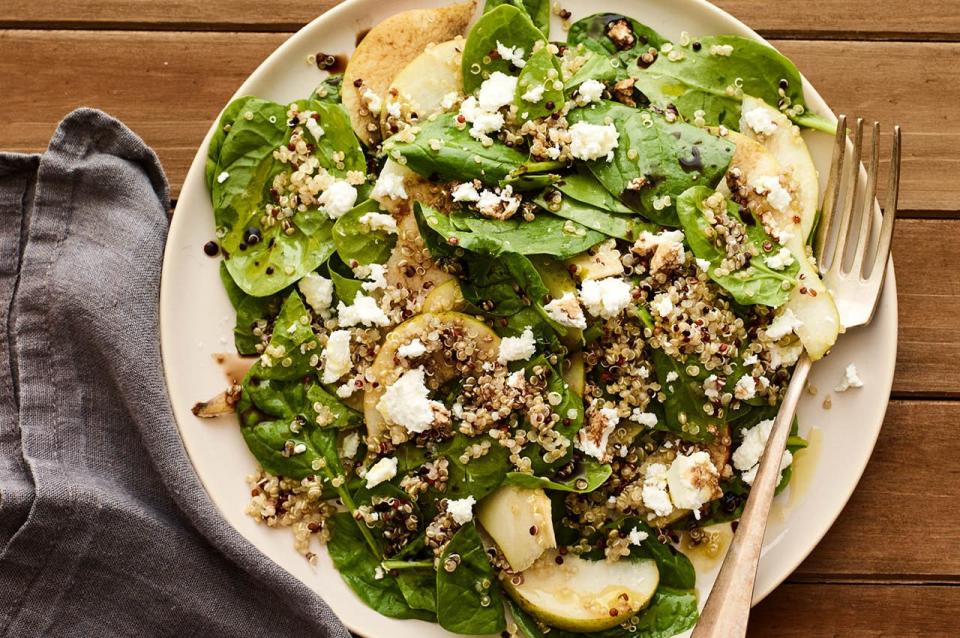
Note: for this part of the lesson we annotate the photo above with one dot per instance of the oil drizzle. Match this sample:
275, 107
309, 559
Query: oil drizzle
235, 367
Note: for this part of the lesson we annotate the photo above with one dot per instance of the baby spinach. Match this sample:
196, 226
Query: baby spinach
592, 33
570, 413
542, 70
675, 568
715, 84
584, 187
419, 588
357, 242
655, 158
600, 67
505, 24
328, 91
224, 126
292, 343
468, 598
358, 566
538, 10
546, 235
480, 476
757, 283
345, 285
250, 312
683, 408
457, 156
612, 225
589, 476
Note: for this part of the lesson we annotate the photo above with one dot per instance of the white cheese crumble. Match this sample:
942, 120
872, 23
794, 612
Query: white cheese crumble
222, 177
513, 55
501, 203
746, 458
375, 275
390, 183
692, 480
394, 109
517, 380
405, 402
566, 311
383, 470
783, 356
655, 495
338, 199
337, 356
758, 120
783, 324
606, 298
672, 376
351, 443
379, 573
647, 419
379, 221
372, 101
594, 443
769, 186
636, 537
662, 304
593, 141
412, 350
782, 259
461, 509
315, 129
534, 94
318, 291
746, 388
364, 311
590, 91
518, 348
465, 192
496, 92
449, 100
703, 265
668, 243
851, 379
346, 390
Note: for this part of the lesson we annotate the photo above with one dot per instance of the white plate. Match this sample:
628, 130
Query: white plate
196, 321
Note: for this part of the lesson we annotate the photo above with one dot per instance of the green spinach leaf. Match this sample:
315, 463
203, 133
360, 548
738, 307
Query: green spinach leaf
292, 343
541, 70
328, 91
655, 159
468, 598
538, 10
505, 24
610, 224
704, 81
683, 409
251, 311
569, 412
419, 588
356, 241
584, 187
589, 476
444, 150
757, 283
224, 126
477, 478
345, 285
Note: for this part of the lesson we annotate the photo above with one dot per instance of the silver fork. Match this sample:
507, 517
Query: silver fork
856, 279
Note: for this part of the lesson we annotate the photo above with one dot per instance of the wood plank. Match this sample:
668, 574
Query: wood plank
173, 84
857, 611
902, 521
821, 18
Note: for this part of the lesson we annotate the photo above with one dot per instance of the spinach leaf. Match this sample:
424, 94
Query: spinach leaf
345, 285
356, 241
419, 588
546, 235
292, 343
538, 10
358, 567
757, 283
468, 598
666, 159
224, 126
505, 24
250, 311
612, 60
676, 570
715, 84
569, 411
541, 70
328, 91
610, 224
589, 476
265, 259
457, 156
683, 409
480, 476
584, 187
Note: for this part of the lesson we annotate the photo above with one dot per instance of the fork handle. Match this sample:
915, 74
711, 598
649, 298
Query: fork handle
728, 606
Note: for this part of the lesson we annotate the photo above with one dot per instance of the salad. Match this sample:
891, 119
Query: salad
519, 312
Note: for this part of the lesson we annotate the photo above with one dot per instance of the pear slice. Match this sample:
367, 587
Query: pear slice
387, 49
444, 298
410, 265
519, 521
574, 373
810, 300
575, 594
419, 89
385, 371
558, 281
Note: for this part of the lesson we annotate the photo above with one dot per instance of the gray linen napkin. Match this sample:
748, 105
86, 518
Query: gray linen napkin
105, 529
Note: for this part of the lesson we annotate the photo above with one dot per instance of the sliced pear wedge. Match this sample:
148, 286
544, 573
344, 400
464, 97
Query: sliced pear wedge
556, 277
574, 373
410, 265
810, 300
419, 89
444, 298
385, 370
387, 49
575, 594
519, 521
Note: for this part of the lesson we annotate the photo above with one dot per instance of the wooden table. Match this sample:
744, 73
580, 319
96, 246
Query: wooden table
891, 564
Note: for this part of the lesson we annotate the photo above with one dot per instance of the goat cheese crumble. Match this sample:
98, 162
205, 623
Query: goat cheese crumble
318, 292
593, 141
518, 348
412, 350
566, 311
461, 509
338, 198
606, 298
693, 480
591, 91
851, 379
364, 311
337, 356
406, 402
746, 458
383, 470
379, 221
758, 120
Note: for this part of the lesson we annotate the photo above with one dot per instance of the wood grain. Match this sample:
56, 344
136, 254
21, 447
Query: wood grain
170, 86
901, 522
857, 611
821, 18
